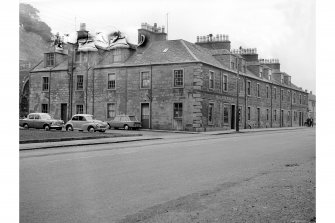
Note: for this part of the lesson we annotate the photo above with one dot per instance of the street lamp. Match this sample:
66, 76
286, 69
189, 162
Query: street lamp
237, 95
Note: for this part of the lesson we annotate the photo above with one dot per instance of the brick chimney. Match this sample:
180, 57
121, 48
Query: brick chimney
214, 42
148, 34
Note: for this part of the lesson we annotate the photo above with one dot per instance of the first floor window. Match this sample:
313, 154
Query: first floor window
210, 113
111, 81
45, 85
225, 83
282, 94
80, 82
299, 98
177, 110
111, 110
258, 91
178, 78
249, 87
79, 109
211, 79
145, 79
267, 114
275, 115
45, 108
267, 91
249, 113
275, 92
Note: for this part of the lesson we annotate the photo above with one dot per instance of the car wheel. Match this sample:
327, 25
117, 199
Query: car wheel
46, 127
126, 127
25, 126
69, 128
90, 129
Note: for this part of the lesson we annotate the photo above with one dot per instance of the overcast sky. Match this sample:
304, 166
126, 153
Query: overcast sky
283, 29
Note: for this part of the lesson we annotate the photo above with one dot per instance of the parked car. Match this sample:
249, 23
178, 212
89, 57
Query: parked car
125, 121
85, 122
41, 121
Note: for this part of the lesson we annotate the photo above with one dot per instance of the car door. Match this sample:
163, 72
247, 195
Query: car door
74, 121
38, 123
82, 123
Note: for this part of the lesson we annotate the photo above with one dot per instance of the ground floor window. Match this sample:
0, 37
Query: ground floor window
111, 110
45, 108
288, 116
225, 114
210, 113
177, 110
249, 113
267, 114
79, 109
275, 115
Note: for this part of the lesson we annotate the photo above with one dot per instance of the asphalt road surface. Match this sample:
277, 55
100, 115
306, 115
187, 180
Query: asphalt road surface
143, 181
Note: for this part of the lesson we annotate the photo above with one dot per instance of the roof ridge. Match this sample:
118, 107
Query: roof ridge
189, 50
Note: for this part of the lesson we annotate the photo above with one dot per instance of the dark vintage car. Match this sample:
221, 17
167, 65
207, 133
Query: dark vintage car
125, 121
85, 122
41, 121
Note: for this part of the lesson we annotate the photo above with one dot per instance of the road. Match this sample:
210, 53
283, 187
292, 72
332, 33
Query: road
135, 181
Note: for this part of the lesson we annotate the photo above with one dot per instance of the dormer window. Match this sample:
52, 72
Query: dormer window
260, 72
49, 59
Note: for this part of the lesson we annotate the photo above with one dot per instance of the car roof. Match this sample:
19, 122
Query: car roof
83, 115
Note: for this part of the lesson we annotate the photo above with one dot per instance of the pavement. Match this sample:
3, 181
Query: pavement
149, 134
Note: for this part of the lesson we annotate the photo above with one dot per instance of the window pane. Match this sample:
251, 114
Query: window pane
178, 78
111, 110
80, 82
225, 115
210, 113
45, 85
111, 81
177, 110
145, 80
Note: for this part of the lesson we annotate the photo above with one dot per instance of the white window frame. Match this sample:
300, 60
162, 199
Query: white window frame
77, 82
223, 83
173, 78
77, 108
213, 111
43, 84
211, 78
141, 80
108, 86
107, 115
258, 91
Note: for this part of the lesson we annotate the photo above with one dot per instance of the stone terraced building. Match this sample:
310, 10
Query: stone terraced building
169, 84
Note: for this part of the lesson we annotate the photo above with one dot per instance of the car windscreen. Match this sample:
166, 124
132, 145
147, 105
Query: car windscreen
46, 116
133, 118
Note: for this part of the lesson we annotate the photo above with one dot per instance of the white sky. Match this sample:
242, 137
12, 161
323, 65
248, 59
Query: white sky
283, 29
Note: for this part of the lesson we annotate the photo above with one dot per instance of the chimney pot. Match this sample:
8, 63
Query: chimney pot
82, 26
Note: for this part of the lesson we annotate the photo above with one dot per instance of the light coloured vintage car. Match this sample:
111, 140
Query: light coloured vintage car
125, 121
85, 122
41, 121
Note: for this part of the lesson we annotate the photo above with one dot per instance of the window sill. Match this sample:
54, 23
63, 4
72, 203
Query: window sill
111, 89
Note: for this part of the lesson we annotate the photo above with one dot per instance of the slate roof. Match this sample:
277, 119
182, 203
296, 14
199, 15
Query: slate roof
60, 66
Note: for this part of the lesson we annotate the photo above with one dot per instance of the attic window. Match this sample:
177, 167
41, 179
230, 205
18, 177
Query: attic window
50, 59
165, 50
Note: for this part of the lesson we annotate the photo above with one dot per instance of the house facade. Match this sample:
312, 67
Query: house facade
169, 84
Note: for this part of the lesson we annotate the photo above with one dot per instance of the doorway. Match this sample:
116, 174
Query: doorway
63, 112
232, 115
145, 115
